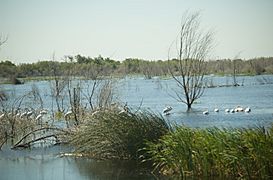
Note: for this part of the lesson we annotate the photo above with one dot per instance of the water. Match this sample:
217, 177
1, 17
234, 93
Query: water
47, 164
154, 94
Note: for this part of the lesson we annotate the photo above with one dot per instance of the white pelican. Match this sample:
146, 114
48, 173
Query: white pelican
43, 111
232, 111
167, 109
67, 114
216, 110
18, 115
239, 109
29, 113
2, 115
23, 114
206, 112
248, 110
227, 110
39, 117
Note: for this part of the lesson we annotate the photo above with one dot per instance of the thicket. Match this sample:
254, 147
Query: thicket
115, 134
81, 66
214, 153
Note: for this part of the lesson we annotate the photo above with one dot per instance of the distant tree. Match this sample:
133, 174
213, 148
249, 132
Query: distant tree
131, 65
81, 59
7, 69
146, 69
257, 66
192, 47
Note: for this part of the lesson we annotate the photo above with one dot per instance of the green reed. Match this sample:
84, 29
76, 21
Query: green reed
213, 152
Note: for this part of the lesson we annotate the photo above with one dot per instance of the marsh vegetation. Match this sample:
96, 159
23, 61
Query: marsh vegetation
113, 130
213, 152
84, 106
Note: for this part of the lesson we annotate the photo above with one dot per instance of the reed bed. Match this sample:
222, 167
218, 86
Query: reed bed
13, 128
209, 153
110, 134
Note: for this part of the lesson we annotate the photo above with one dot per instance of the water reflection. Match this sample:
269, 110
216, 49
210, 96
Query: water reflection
48, 167
111, 169
48, 163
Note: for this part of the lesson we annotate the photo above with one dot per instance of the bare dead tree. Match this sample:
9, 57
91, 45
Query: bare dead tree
93, 85
235, 67
106, 93
58, 85
74, 93
192, 47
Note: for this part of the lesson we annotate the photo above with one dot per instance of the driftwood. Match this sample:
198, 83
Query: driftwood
27, 144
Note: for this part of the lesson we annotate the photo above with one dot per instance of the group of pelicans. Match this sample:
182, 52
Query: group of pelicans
233, 110
27, 113
167, 110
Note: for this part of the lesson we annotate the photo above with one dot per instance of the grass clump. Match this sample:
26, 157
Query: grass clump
110, 134
214, 152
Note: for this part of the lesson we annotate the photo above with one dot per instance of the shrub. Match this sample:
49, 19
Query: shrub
235, 153
110, 134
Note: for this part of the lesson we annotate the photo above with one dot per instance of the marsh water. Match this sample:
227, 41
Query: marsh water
154, 94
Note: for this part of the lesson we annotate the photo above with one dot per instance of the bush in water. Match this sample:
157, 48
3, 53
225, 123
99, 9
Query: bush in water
110, 134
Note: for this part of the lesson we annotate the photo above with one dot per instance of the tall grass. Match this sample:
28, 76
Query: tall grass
214, 152
110, 134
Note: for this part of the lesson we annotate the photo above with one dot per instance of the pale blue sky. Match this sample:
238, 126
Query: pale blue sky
129, 28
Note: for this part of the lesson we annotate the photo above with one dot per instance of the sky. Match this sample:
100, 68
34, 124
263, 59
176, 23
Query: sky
120, 29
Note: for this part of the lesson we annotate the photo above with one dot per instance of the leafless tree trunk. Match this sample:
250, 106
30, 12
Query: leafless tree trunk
192, 47
234, 74
92, 86
57, 86
235, 69
75, 99
106, 94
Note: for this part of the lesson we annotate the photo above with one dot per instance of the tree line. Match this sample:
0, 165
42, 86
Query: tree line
86, 66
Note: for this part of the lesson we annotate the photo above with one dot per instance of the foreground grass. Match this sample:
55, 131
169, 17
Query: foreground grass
226, 153
110, 134
177, 152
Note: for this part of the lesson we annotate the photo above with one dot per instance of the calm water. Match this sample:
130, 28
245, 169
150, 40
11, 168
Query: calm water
154, 94
47, 164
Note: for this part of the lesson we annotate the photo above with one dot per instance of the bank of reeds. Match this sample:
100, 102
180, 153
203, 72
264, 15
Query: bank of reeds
111, 134
209, 153
13, 128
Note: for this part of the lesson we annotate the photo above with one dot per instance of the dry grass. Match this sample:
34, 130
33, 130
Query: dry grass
110, 134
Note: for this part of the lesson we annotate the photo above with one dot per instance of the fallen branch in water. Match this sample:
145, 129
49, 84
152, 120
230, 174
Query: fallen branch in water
41, 138
26, 145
